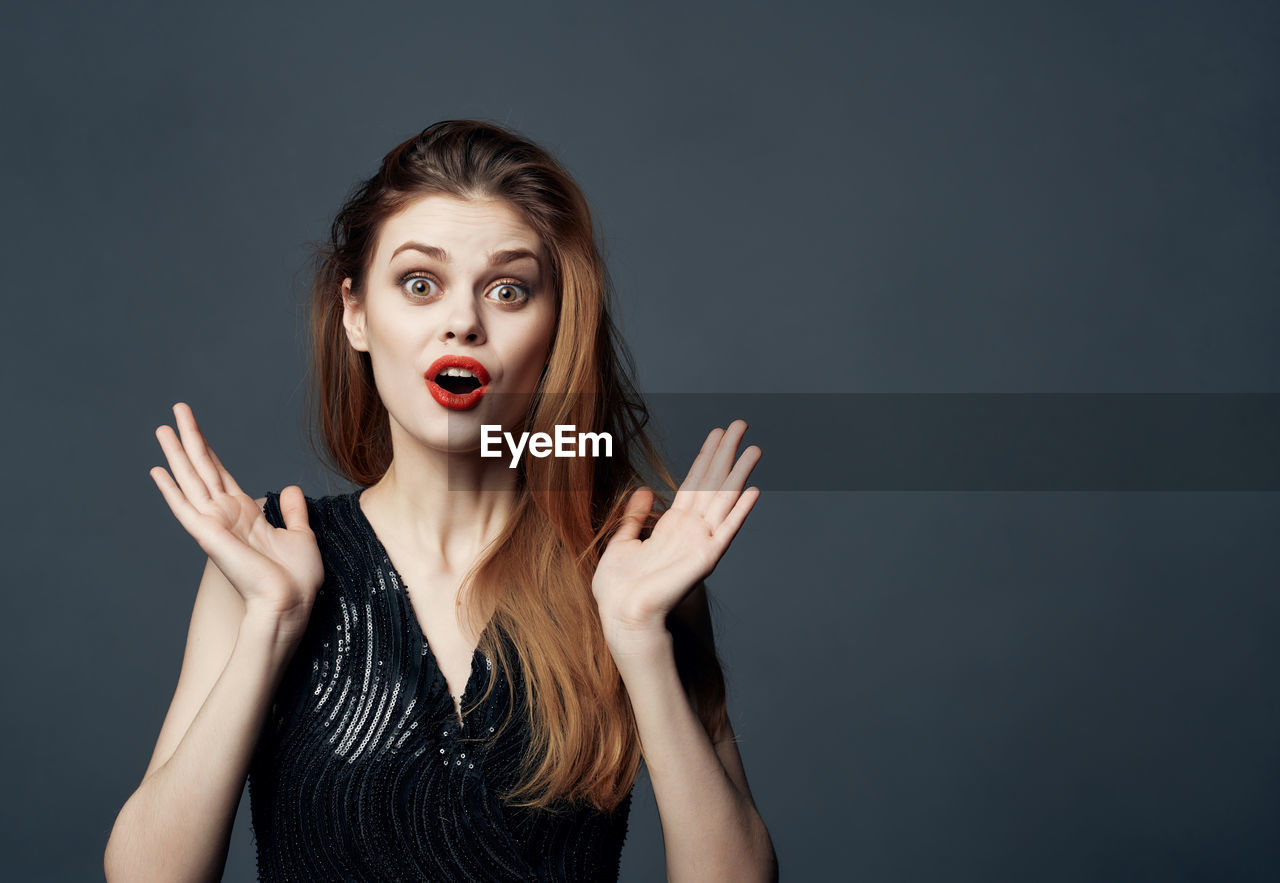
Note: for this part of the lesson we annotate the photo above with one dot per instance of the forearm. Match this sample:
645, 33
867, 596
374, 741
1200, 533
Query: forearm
711, 830
177, 824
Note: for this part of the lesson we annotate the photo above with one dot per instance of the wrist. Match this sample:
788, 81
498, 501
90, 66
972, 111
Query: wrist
271, 628
635, 648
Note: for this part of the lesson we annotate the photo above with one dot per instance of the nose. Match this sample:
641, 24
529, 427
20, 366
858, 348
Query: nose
463, 322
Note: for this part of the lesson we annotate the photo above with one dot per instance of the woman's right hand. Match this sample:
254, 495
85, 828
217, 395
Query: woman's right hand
277, 571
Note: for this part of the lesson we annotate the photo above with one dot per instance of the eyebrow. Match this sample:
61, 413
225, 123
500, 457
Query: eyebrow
496, 258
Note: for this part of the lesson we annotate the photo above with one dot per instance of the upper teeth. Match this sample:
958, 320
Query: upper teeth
457, 372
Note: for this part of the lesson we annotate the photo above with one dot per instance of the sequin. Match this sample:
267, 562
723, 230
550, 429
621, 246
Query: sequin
344, 731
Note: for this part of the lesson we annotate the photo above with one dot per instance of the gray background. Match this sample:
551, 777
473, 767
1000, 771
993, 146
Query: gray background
883, 197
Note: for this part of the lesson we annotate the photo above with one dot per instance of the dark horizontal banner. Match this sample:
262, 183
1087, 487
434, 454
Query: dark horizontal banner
982, 441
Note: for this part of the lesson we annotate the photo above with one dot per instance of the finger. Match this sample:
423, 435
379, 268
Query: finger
721, 463
633, 517
293, 508
192, 485
173, 495
684, 498
192, 520
730, 491
228, 482
197, 448
728, 529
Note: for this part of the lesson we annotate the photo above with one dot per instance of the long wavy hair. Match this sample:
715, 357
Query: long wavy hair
536, 577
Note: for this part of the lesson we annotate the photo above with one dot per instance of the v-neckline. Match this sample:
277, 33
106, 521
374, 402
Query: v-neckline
402, 588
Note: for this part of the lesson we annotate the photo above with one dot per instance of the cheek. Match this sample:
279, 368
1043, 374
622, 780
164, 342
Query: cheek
535, 356
541, 349
392, 353
391, 339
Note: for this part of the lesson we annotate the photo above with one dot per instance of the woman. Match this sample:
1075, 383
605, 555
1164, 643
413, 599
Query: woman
452, 673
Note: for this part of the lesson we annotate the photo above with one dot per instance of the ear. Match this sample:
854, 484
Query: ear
353, 318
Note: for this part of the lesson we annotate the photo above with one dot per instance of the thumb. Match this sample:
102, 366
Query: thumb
293, 508
638, 508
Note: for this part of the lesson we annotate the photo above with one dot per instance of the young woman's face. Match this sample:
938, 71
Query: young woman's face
453, 277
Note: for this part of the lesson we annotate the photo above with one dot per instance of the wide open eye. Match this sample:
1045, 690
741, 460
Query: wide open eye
419, 285
510, 292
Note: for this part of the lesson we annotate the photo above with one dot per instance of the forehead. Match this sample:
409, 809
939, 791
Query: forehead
467, 229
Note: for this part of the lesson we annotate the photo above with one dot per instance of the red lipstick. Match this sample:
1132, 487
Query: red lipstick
453, 400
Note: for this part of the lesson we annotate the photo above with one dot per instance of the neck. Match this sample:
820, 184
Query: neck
444, 509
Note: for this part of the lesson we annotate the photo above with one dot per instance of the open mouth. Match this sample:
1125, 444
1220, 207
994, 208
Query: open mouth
458, 381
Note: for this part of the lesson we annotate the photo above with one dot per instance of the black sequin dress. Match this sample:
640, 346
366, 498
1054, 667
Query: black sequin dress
362, 771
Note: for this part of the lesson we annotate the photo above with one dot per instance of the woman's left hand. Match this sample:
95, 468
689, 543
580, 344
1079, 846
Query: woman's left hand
638, 582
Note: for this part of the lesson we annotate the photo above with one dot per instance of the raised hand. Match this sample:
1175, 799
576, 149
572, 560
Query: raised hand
637, 582
276, 570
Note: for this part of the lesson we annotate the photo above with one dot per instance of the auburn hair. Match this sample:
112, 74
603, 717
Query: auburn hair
536, 577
